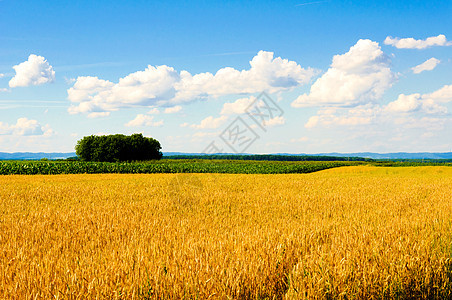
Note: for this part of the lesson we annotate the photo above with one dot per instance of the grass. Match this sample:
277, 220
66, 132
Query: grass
359, 232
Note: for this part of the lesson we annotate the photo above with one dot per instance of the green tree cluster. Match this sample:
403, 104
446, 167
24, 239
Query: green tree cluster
118, 147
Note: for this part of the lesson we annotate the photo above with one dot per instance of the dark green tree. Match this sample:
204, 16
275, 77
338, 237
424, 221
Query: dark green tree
118, 147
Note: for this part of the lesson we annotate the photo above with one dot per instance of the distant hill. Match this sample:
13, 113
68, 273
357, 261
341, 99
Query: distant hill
34, 156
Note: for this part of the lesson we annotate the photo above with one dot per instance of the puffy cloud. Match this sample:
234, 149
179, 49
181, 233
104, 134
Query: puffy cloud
360, 115
25, 127
405, 103
144, 88
443, 95
427, 103
237, 107
208, 123
428, 65
35, 71
98, 114
164, 86
172, 110
5, 129
144, 120
429, 106
405, 109
2, 75
154, 111
411, 43
357, 77
276, 121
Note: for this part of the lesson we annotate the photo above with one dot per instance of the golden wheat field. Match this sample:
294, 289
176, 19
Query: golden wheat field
346, 233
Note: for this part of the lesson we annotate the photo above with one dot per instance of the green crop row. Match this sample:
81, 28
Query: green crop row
166, 166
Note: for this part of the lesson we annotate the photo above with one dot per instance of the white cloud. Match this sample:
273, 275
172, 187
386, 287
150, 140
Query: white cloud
429, 106
164, 86
172, 110
443, 95
35, 71
2, 75
5, 129
406, 109
69, 80
98, 114
405, 103
276, 121
237, 107
360, 115
423, 123
25, 127
411, 43
209, 123
4, 90
154, 111
428, 65
144, 120
427, 103
357, 77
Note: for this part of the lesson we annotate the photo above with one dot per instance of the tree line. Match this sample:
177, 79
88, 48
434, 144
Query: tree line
267, 157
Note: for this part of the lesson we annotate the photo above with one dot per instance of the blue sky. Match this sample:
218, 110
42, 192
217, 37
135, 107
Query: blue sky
348, 76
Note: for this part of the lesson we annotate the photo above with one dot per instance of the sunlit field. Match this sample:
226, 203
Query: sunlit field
356, 232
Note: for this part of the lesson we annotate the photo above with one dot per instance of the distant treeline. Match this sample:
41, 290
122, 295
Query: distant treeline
268, 157
412, 162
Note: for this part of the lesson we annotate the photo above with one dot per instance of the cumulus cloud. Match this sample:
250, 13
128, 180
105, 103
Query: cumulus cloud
406, 108
25, 127
405, 103
173, 110
98, 114
154, 111
208, 123
411, 43
5, 129
428, 65
237, 107
35, 71
443, 95
144, 120
276, 121
427, 103
360, 115
164, 86
357, 77
2, 75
